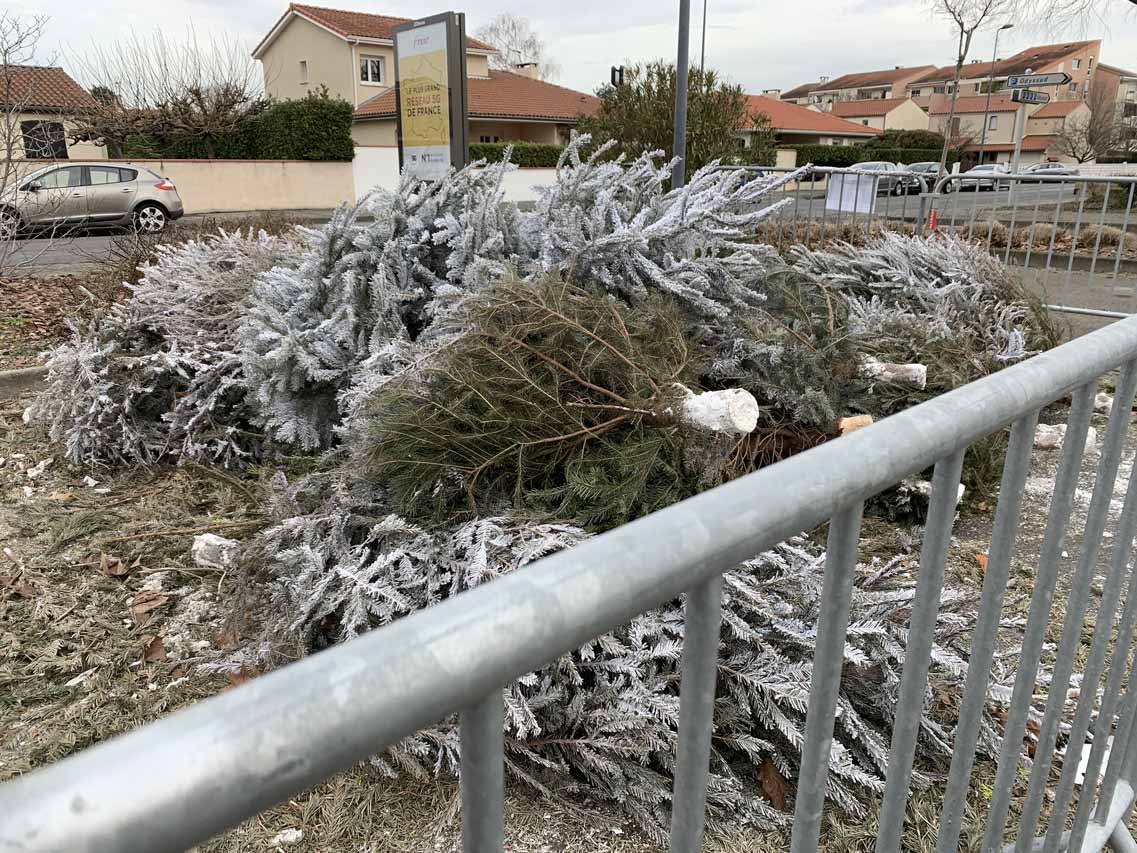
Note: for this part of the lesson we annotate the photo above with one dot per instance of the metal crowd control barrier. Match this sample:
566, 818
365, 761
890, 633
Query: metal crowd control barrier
182, 779
1069, 234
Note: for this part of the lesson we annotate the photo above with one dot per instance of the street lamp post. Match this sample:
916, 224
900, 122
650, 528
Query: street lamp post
990, 85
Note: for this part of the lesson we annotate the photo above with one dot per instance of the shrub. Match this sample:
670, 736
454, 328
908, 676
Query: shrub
848, 155
315, 127
525, 154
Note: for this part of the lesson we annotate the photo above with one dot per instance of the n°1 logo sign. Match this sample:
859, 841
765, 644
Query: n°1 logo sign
1023, 81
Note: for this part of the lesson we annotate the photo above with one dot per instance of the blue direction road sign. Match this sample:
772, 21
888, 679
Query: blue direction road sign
1029, 96
1023, 81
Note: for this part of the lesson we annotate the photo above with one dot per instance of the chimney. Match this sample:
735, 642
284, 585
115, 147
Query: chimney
527, 69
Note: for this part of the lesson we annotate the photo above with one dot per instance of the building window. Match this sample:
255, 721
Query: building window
371, 69
993, 123
303, 71
1077, 64
865, 122
1089, 63
44, 140
915, 93
484, 138
1073, 87
977, 87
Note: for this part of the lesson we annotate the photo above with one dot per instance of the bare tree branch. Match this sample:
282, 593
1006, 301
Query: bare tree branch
152, 86
517, 44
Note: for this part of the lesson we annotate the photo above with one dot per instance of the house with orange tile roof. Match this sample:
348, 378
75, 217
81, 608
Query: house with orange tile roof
883, 113
353, 55
794, 125
40, 100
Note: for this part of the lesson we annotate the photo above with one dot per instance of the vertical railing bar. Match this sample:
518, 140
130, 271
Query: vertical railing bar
808, 212
974, 212
1124, 231
1097, 240
1126, 717
1122, 549
825, 683
918, 652
1030, 233
1054, 231
702, 618
1075, 606
825, 207
1035, 633
1013, 199
1077, 232
955, 207
1015, 471
482, 779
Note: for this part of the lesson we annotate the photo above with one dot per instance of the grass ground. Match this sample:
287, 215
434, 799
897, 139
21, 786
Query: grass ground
103, 615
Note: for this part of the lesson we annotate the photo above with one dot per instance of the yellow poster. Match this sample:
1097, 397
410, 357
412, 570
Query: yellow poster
425, 106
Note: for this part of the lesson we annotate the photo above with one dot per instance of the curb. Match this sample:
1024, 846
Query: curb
13, 382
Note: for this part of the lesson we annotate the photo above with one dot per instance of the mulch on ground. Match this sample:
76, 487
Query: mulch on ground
34, 312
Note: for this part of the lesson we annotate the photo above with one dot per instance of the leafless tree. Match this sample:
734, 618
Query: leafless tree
1091, 135
517, 44
154, 86
970, 16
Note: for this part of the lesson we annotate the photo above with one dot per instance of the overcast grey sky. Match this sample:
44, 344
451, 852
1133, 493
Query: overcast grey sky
757, 43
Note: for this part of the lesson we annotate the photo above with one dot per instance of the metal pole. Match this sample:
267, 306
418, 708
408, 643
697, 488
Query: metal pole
990, 84
1020, 126
703, 51
679, 143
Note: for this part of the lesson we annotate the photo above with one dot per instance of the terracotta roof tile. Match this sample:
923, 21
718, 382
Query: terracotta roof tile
1056, 109
789, 117
41, 87
862, 79
503, 95
1035, 58
969, 104
1113, 69
867, 107
362, 24
1034, 142
799, 91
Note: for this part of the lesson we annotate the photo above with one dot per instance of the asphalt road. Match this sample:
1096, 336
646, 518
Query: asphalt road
61, 254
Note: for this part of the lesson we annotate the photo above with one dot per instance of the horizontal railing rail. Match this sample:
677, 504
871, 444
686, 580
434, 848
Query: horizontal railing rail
182, 779
1070, 235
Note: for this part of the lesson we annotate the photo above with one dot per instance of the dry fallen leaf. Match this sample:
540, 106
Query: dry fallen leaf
773, 785
18, 586
112, 566
61, 497
981, 559
153, 650
246, 673
227, 639
144, 602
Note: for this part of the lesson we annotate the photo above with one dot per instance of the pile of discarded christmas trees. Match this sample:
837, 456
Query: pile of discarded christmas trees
476, 386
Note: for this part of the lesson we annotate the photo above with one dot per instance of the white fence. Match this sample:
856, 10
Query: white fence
378, 166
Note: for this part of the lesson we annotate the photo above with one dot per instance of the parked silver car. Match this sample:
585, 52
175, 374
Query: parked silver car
1049, 169
97, 193
983, 177
888, 181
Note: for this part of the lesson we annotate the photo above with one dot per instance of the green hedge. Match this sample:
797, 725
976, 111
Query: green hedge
316, 127
524, 153
849, 155
311, 128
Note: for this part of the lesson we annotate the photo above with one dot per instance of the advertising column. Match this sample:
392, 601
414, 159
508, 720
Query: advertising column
430, 92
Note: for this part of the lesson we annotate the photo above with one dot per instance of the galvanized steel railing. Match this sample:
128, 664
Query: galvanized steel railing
1091, 270
182, 779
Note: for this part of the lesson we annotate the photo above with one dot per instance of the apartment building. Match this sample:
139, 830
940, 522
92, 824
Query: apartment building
1078, 59
860, 86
